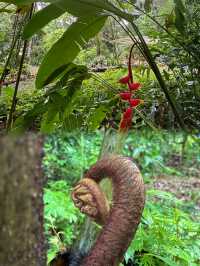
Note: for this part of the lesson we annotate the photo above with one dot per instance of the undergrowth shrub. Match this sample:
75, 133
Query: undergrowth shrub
69, 155
167, 235
25, 101
62, 219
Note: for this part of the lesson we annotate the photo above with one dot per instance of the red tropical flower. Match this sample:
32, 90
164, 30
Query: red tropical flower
126, 120
123, 125
134, 86
128, 113
125, 80
125, 95
135, 102
127, 116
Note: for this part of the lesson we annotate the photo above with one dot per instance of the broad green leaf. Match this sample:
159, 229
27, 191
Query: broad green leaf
59, 73
180, 21
180, 5
68, 46
40, 19
49, 119
97, 117
53, 11
19, 2
5, 10
72, 122
77, 8
106, 5
57, 103
166, 260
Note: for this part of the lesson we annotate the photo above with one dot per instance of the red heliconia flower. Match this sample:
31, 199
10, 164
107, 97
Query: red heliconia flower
126, 120
125, 80
125, 95
134, 86
128, 113
135, 102
123, 125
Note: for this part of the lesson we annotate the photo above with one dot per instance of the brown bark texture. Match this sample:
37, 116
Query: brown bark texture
126, 210
22, 240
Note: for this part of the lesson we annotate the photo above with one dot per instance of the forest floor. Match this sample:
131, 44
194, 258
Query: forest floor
185, 188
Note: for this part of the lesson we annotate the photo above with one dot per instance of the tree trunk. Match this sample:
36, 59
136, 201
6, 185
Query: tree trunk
21, 217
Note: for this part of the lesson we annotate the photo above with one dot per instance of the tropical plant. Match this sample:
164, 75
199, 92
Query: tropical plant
167, 234
81, 31
62, 219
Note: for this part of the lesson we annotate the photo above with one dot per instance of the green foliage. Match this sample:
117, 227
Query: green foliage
169, 232
5, 102
74, 102
179, 15
153, 151
76, 37
175, 45
68, 156
62, 219
5, 25
50, 64
66, 49
57, 103
167, 235
87, 56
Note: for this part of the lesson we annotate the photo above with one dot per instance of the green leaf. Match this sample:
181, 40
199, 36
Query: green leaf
42, 18
180, 21
168, 261
58, 103
179, 4
19, 2
77, 8
25, 121
50, 118
54, 10
68, 46
72, 122
5, 10
97, 117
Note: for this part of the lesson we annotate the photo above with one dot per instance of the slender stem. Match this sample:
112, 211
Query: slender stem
158, 75
12, 47
144, 49
14, 100
164, 29
105, 83
129, 63
132, 37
